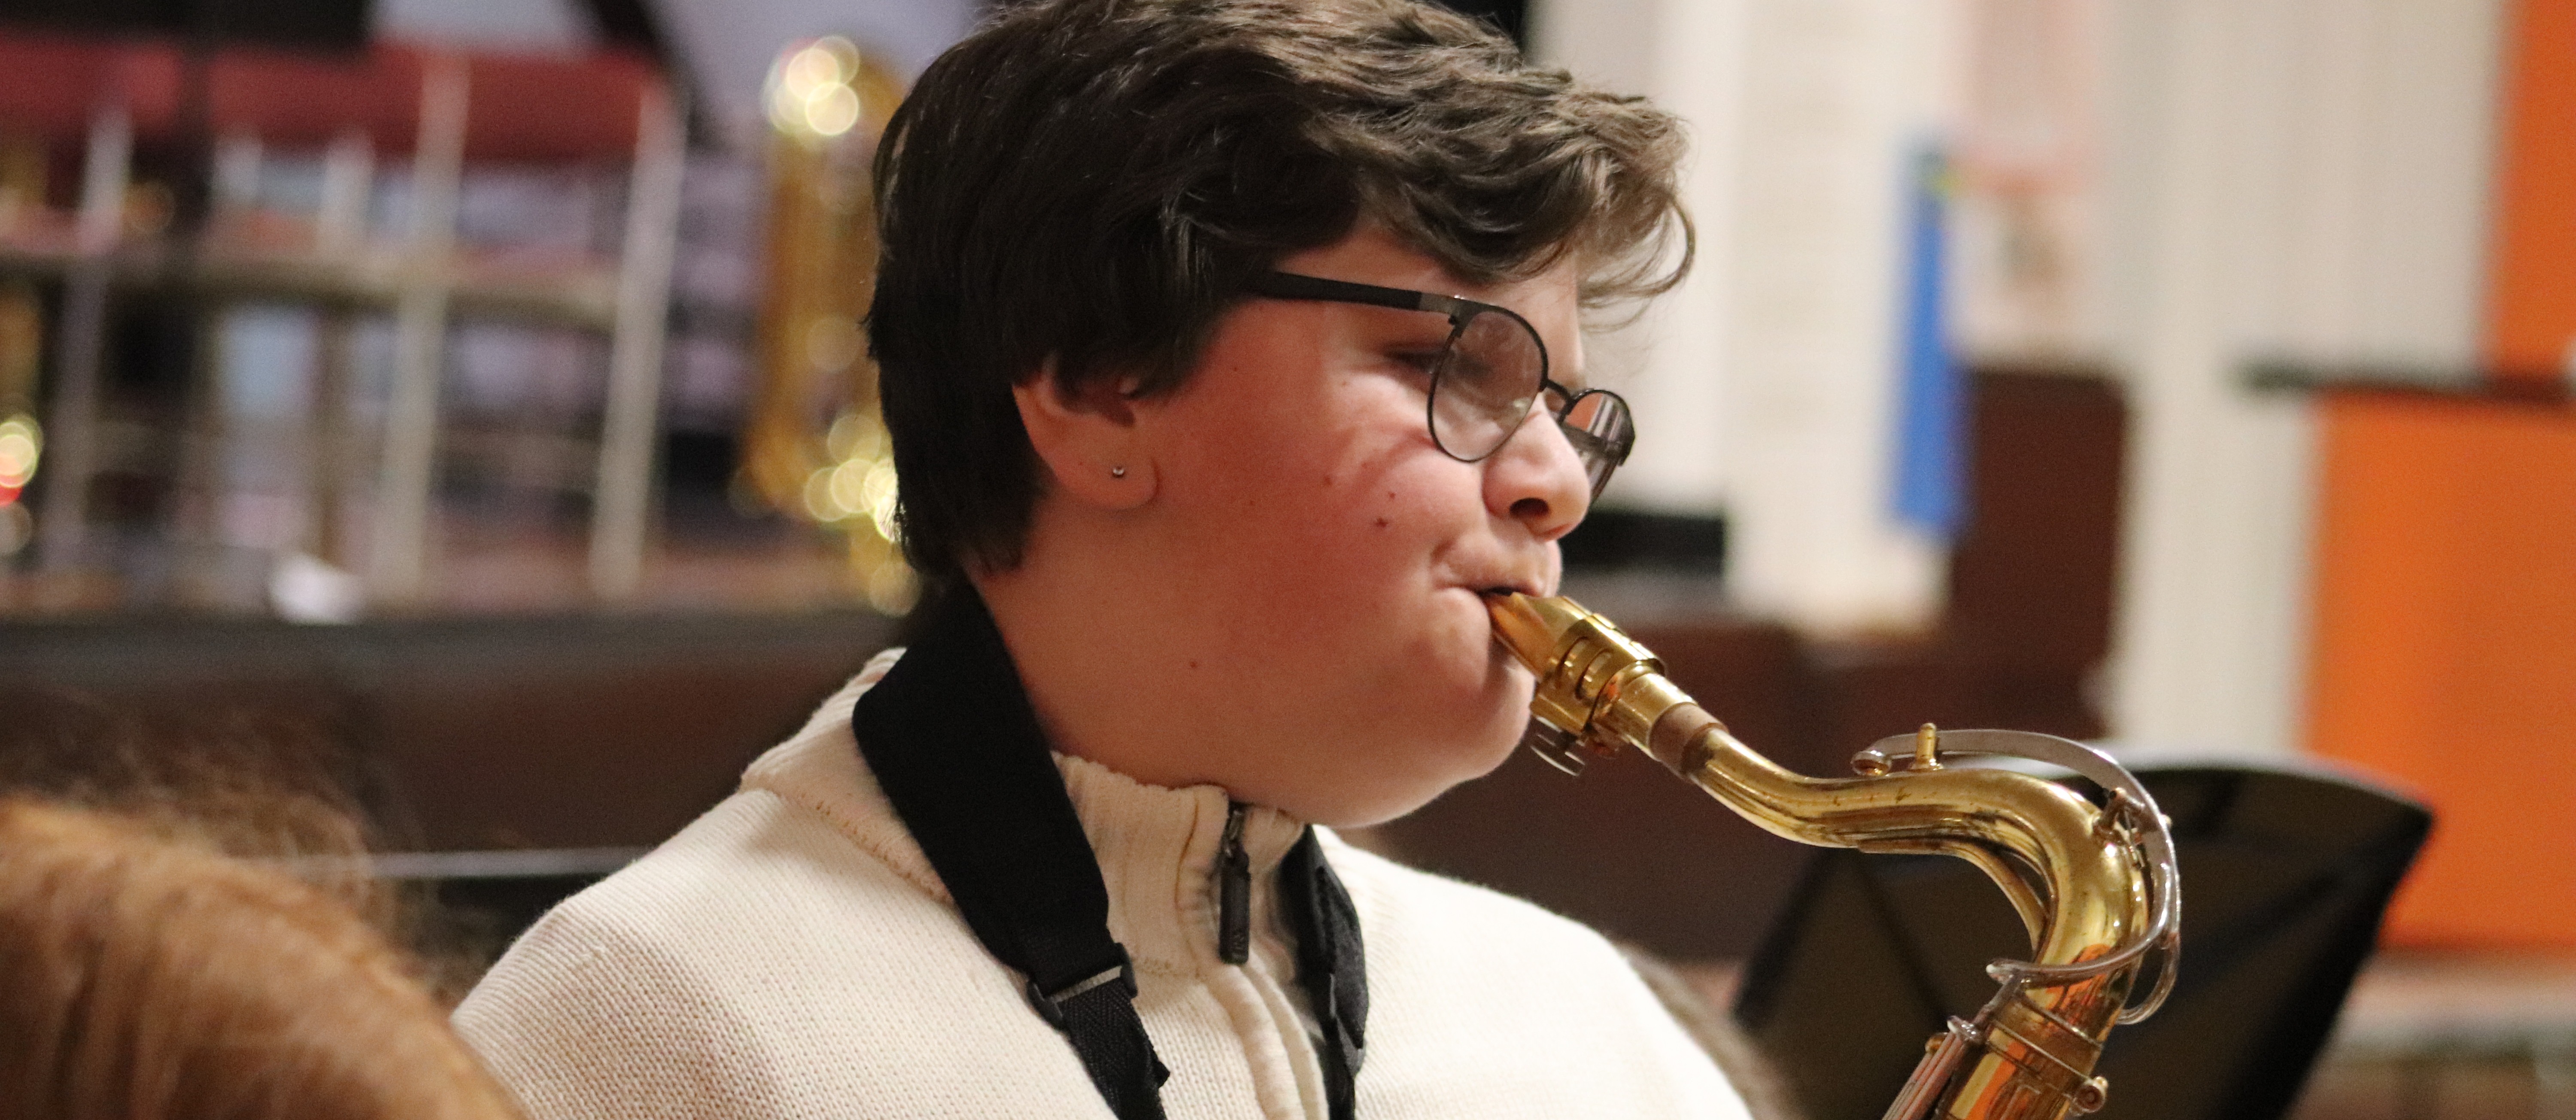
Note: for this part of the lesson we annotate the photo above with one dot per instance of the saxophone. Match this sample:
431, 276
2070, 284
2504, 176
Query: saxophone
2095, 887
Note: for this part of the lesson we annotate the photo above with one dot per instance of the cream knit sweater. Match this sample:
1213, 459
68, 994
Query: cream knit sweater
792, 954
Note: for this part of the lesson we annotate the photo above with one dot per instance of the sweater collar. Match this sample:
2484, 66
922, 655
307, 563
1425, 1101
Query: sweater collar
1157, 847
1158, 850
1024, 841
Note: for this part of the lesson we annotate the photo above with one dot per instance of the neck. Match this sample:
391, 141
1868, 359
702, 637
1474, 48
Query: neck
1104, 686
1136, 657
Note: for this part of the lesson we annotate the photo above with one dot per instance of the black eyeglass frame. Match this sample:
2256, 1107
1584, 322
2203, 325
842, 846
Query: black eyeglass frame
1607, 452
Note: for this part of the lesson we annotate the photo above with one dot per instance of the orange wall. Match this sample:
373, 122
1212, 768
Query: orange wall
2531, 296
2445, 650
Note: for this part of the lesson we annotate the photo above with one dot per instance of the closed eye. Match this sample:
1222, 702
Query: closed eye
1416, 360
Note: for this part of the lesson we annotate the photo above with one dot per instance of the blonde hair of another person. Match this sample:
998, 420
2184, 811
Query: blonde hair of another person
142, 978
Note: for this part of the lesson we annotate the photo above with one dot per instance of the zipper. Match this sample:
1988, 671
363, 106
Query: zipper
1233, 890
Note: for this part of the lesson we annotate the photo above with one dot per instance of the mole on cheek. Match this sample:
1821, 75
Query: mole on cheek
1383, 523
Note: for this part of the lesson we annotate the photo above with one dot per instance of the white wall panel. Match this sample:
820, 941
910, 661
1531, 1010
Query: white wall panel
2302, 179
1670, 358
1767, 386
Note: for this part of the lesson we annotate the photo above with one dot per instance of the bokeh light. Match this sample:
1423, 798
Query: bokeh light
22, 443
811, 92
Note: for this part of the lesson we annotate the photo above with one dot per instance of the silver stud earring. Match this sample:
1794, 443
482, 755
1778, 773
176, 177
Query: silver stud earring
1117, 472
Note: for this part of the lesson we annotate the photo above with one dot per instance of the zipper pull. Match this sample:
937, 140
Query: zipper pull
1233, 890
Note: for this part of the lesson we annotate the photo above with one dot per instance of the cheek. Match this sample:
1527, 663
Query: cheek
1381, 505
1340, 466
1314, 502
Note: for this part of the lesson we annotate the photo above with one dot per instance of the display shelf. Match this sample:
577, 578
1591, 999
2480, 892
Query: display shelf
483, 573
575, 293
2541, 388
438, 110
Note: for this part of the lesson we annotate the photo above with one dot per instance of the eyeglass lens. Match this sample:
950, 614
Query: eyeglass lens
1599, 426
1486, 383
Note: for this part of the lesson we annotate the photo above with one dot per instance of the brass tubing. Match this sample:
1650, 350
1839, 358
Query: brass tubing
2093, 901
2076, 883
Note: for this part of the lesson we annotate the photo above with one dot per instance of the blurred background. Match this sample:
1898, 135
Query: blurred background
466, 399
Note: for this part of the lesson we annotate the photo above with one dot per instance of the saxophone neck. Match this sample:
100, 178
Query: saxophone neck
2095, 896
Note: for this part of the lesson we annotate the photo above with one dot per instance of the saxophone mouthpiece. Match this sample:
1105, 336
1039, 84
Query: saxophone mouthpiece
1535, 630
1583, 665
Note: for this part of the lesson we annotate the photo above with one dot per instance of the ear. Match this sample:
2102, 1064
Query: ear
1087, 440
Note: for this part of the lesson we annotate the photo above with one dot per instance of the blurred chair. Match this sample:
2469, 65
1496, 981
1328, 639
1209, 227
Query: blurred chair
113, 98
2285, 875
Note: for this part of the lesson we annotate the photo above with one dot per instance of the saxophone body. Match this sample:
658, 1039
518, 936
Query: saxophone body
2095, 886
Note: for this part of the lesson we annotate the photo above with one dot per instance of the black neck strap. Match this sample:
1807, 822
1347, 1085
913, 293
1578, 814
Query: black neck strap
1330, 965
953, 742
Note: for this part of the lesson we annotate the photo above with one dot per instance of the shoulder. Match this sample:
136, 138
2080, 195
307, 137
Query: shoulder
652, 993
739, 967
559, 1018
720, 895
807, 837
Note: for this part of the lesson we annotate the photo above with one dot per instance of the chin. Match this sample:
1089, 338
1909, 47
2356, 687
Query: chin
1503, 719
1444, 763
1465, 714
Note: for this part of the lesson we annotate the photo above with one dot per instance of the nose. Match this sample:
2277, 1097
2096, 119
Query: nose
1536, 479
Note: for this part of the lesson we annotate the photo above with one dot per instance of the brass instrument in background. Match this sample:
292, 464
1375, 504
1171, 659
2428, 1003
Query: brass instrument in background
2096, 888
22, 439
814, 446
22, 348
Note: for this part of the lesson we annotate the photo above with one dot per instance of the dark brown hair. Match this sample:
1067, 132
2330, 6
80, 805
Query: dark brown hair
1093, 181
152, 979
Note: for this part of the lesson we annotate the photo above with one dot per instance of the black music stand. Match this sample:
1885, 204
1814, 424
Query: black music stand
2285, 875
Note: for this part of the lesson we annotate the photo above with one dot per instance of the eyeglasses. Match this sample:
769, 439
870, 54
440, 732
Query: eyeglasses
1487, 376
